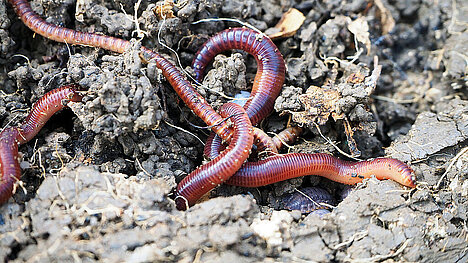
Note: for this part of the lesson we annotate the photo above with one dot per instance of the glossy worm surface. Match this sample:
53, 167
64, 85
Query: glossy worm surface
32, 20
270, 66
10, 138
286, 137
268, 80
9, 164
308, 199
262, 141
44, 108
283, 167
215, 172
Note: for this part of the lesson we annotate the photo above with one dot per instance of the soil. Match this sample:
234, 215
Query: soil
98, 180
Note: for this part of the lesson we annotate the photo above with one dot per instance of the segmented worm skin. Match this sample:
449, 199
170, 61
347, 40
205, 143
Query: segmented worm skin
188, 94
10, 138
262, 141
65, 35
9, 164
215, 172
183, 88
284, 167
213, 146
44, 108
270, 66
286, 137
308, 199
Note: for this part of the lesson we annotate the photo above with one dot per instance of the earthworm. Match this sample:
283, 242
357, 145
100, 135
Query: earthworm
32, 20
215, 172
308, 199
44, 108
282, 167
10, 138
262, 141
9, 164
177, 80
286, 137
270, 66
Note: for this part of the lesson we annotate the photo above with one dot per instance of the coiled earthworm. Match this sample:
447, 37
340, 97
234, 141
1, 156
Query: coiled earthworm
183, 88
215, 172
308, 199
268, 80
270, 66
44, 108
9, 164
10, 138
283, 167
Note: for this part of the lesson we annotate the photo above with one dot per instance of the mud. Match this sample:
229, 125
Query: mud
98, 180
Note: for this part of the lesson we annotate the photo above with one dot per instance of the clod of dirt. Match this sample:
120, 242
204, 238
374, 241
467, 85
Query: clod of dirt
116, 104
227, 77
5, 41
433, 132
274, 230
80, 203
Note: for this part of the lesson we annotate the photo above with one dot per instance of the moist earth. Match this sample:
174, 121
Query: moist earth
98, 180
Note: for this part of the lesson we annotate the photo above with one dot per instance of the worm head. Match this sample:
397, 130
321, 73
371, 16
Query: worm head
409, 177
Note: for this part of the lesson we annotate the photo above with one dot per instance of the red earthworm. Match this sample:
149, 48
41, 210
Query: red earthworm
32, 20
262, 141
268, 80
9, 164
286, 137
308, 199
10, 138
183, 88
44, 108
283, 167
270, 66
215, 172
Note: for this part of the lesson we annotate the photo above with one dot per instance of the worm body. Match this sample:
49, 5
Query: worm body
9, 164
215, 172
44, 108
283, 167
270, 66
286, 137
32, 20
262, 141
10, 138
308, 199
